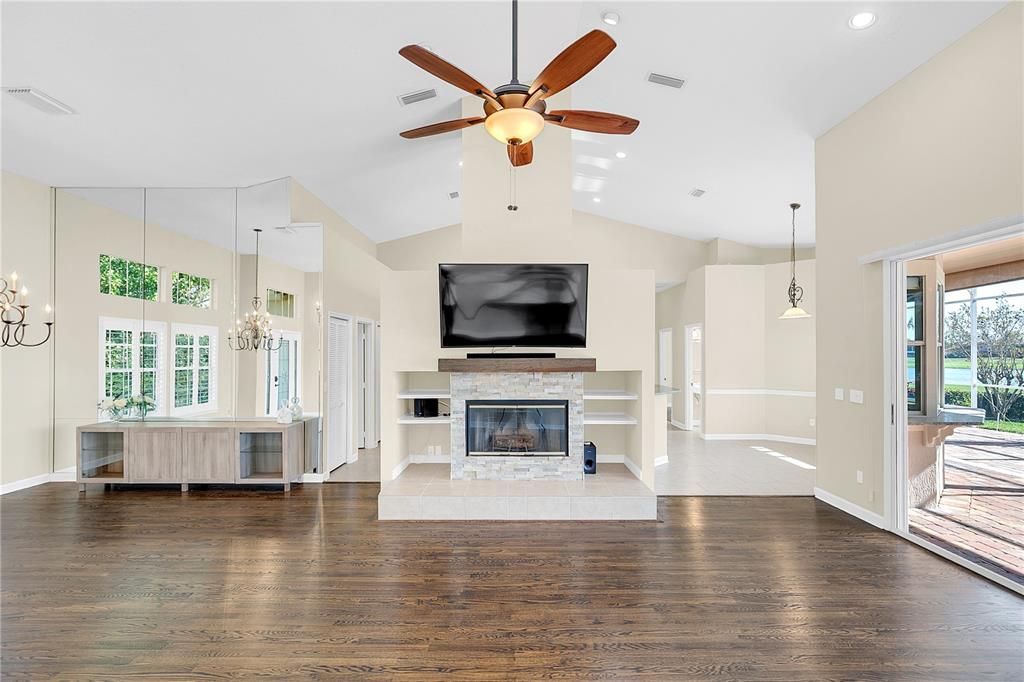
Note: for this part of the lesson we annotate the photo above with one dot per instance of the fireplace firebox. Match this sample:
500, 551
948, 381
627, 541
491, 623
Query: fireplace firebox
525, 428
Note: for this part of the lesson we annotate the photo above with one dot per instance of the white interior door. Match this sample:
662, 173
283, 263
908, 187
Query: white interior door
665, 357
692, 379
376, 385
283, 373
363, 374
337, 392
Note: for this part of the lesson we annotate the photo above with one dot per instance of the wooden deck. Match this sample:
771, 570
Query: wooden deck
239, 584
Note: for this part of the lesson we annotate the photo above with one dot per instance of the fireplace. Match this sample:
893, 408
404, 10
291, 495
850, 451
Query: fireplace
524, 428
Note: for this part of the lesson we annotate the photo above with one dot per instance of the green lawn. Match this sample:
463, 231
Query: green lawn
1009, 427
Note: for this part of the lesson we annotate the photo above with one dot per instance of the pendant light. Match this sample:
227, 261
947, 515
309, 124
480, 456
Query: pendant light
256, 332
795, 293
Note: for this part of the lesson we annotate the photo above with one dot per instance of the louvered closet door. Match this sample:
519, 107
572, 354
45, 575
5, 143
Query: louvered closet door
337, 392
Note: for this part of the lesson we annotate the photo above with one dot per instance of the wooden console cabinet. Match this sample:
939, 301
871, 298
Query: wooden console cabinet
225, 452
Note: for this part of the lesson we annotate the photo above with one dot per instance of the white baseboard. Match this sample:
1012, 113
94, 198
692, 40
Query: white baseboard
850, 508
678, 424
14, 486
313, 478
610, 459
658, 461
399, 468
430, 459
759, 436
633, 468
65, 475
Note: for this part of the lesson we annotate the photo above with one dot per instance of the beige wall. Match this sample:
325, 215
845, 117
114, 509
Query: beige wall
937, 153
25, 376
351, 285
758, 371
726, 252
596, 240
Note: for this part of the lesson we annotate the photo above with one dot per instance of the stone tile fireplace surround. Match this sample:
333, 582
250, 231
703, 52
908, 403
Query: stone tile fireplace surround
512, 386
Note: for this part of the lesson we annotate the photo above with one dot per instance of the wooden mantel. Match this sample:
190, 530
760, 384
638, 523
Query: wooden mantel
517, 365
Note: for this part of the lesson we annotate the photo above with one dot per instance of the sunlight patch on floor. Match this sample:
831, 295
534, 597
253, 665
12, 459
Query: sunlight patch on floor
784, 458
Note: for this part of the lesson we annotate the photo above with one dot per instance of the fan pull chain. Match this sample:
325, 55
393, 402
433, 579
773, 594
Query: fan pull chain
512, 204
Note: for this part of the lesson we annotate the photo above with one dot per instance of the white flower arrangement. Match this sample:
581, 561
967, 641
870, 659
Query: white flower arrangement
113, 408
142, 404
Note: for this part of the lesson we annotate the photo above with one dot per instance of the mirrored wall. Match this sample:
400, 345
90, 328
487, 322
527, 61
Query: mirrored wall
154, 281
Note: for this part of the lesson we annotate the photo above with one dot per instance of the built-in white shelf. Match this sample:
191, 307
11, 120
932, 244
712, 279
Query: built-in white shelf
412, 419
608, 394
608, 418
418, 393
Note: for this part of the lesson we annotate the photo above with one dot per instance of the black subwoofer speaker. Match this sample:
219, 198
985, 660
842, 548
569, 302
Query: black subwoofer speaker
424, 407
589, 458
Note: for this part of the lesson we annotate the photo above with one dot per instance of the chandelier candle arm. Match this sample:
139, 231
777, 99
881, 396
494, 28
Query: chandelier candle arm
14, 313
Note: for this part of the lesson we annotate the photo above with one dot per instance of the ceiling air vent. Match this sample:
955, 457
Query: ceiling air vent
453, 195
666, 80
40, 100
418, 96
697, 192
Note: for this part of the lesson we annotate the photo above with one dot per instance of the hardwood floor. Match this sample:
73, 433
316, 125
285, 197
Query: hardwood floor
236, 583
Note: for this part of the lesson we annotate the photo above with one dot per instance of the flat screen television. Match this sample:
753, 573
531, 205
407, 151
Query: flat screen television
487, 305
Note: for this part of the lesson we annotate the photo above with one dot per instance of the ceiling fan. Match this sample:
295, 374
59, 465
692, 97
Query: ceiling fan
515, 113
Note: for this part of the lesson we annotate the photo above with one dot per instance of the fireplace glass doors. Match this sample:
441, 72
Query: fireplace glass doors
538, 428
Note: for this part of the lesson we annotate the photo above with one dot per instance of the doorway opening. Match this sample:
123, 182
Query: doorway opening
339, 371
692, 382
283, 373
957, 347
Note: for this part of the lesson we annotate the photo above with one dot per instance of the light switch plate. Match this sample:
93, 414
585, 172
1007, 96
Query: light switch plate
860, 476
856, 396
839, 394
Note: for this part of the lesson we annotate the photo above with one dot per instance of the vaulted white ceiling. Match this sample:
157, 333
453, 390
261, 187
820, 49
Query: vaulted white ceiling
231, 94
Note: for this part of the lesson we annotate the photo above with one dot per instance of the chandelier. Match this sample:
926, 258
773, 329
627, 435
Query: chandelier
795, 292
14, 311
256, 332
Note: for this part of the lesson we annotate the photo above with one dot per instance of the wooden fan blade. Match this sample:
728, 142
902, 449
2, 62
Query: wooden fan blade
573, 63
520, 154
593, 121
431, 63
444, 127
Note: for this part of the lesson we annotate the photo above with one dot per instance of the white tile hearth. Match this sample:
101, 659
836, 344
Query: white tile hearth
425, 492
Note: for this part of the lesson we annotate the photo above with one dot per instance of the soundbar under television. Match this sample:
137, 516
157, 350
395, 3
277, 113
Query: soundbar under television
491, 305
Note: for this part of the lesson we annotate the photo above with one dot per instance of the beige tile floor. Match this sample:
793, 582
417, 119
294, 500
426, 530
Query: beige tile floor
709, 467
366, 469
425, 491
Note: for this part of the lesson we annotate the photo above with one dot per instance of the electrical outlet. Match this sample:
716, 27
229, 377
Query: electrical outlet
839, 394
811, 421
856, 396
860, 476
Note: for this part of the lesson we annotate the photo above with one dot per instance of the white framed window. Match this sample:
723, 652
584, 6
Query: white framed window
280, 303
194, 369
131, 360
191, 290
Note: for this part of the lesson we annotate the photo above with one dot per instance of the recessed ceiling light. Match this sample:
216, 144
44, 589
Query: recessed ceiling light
597, 200
610, 18
862, 20
460, 164
620, 155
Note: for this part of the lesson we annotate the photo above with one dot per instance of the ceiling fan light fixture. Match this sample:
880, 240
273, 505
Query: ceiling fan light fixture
610, 18
515, 125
